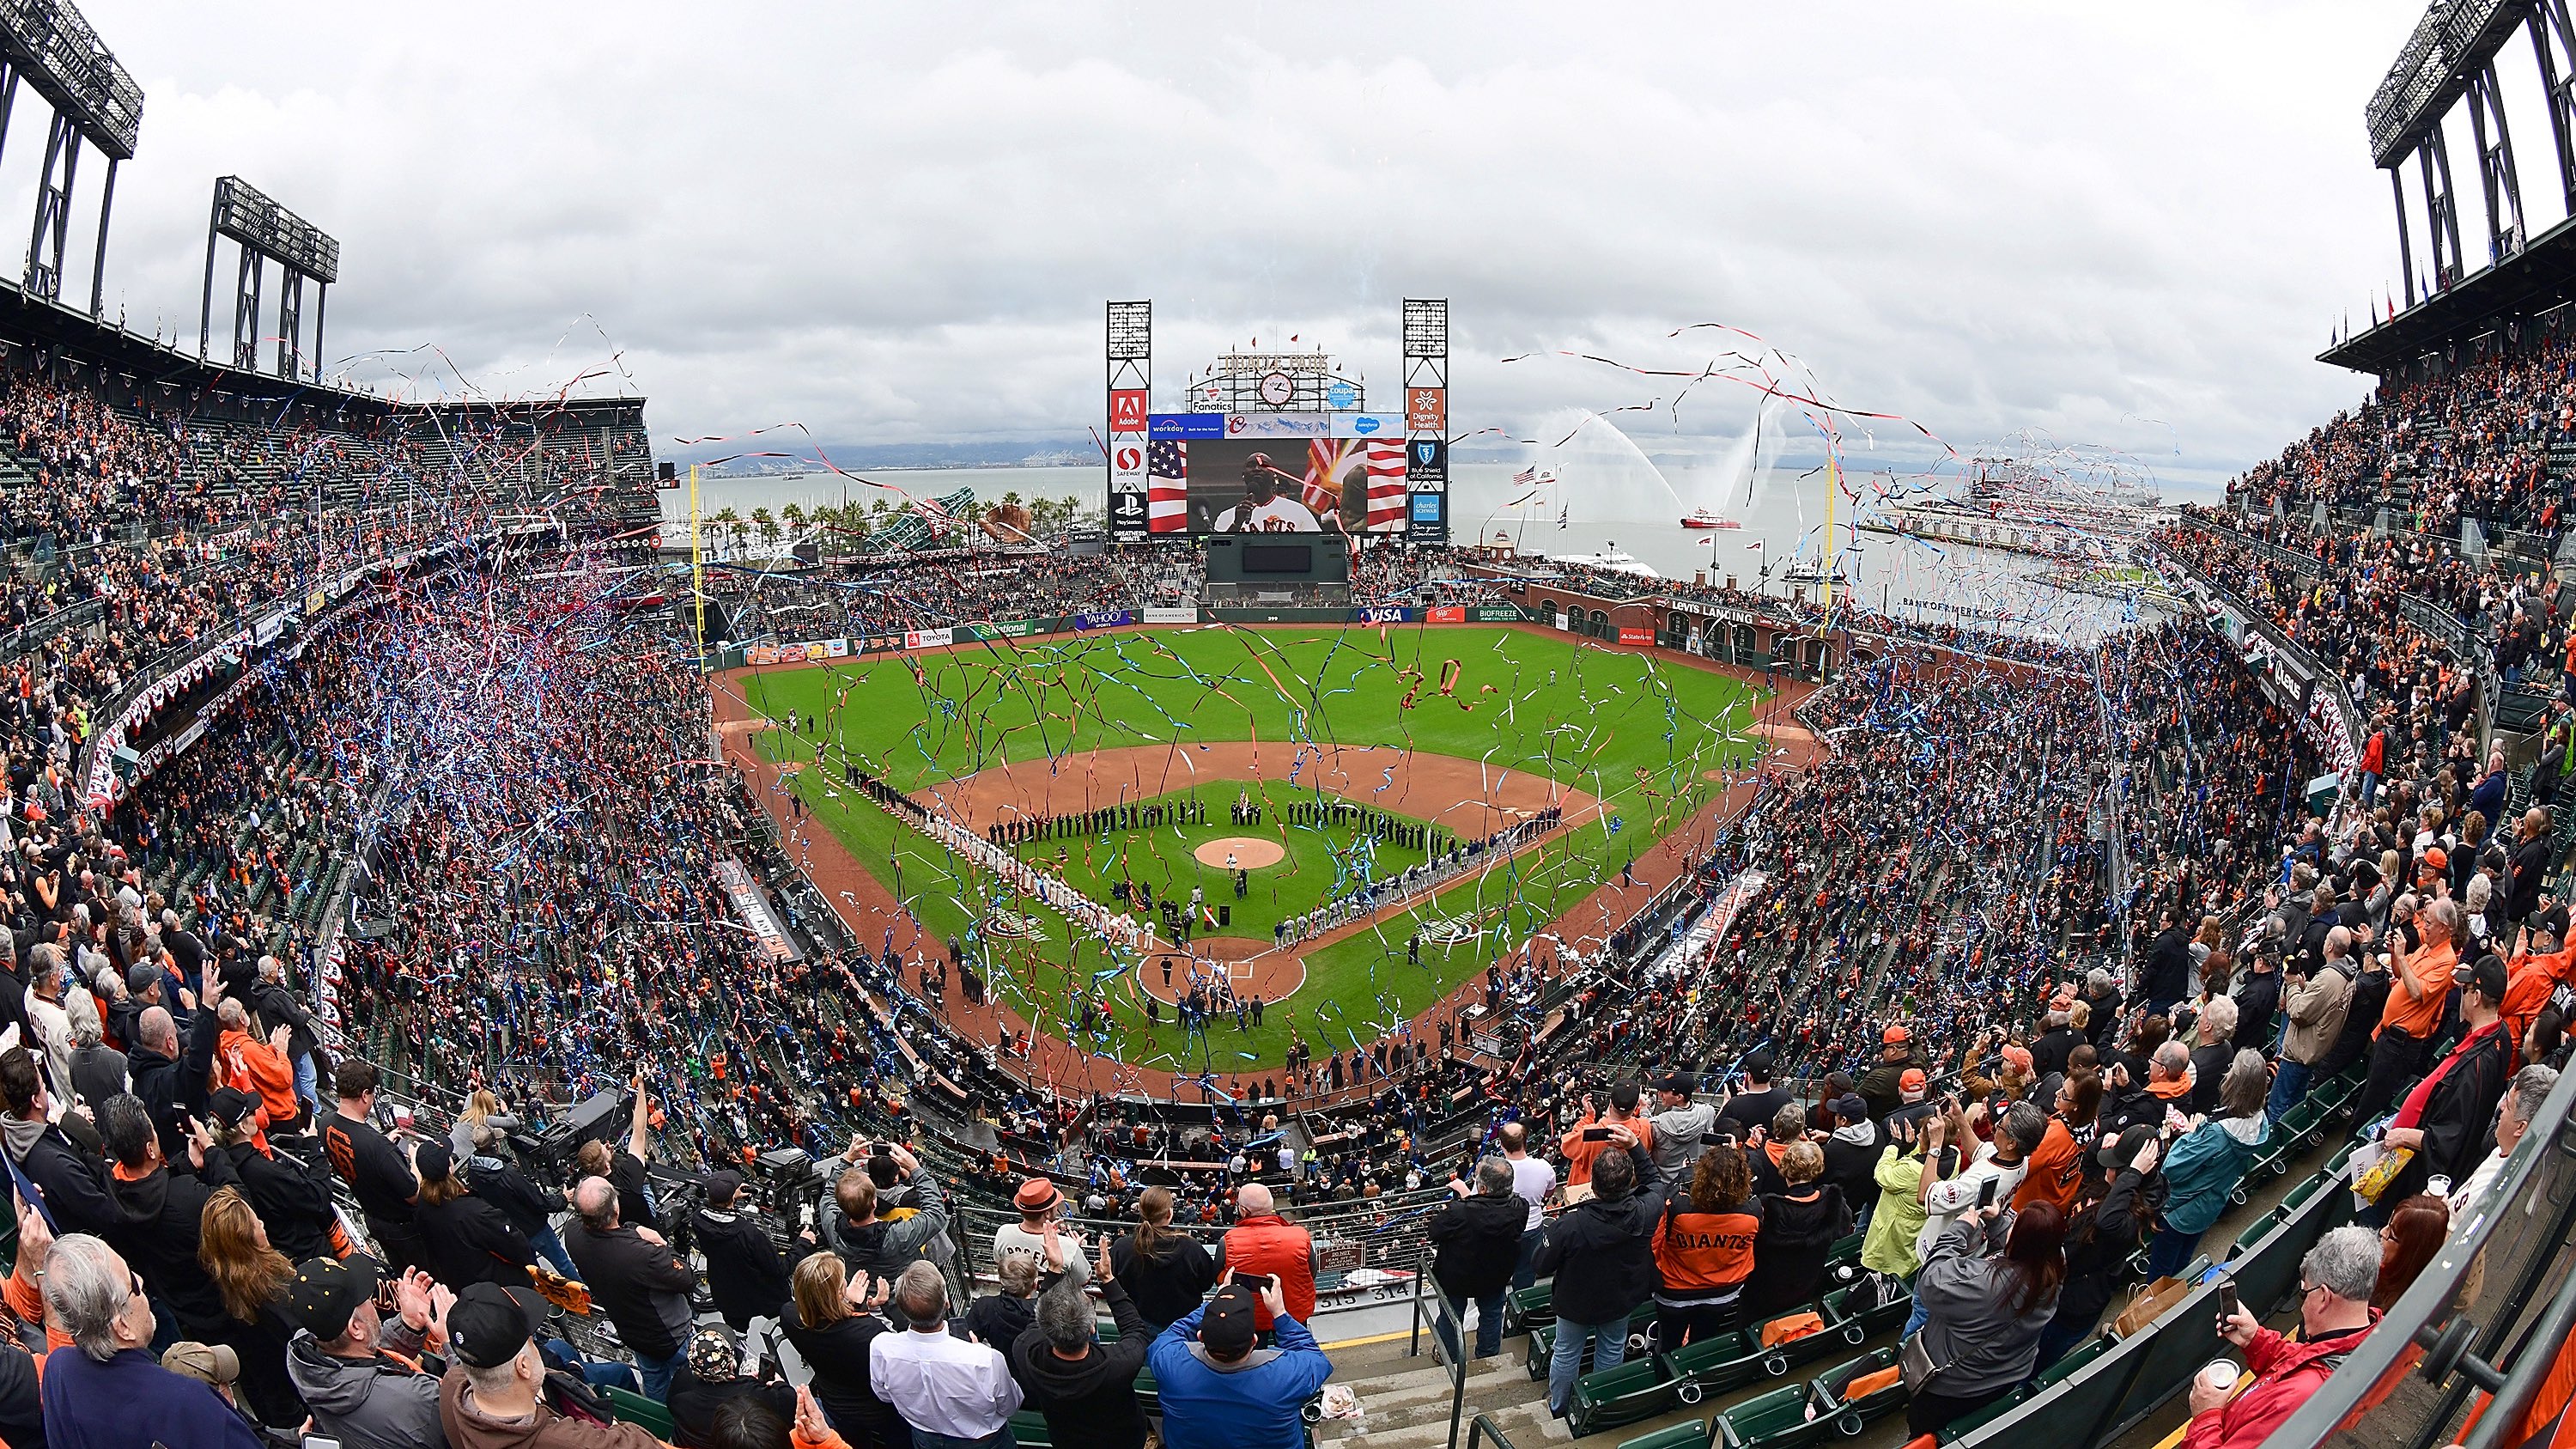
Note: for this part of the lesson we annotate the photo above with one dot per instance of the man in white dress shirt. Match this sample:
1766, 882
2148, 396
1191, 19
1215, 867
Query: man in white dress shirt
954, 1393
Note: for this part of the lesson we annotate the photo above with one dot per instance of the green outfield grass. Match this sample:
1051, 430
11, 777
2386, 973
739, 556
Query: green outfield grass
1635, 733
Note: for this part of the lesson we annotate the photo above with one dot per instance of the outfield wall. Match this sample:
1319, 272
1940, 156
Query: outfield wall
1181, 615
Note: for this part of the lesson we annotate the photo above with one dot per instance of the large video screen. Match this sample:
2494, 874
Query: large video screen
1276, 485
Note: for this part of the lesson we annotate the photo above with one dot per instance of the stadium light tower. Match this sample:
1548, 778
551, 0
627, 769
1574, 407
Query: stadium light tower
49, 45
267, 232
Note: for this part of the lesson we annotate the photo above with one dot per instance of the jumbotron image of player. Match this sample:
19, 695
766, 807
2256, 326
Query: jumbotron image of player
1264, 509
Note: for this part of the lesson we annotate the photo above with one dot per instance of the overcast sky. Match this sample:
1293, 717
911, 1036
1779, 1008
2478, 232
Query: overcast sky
2130, 226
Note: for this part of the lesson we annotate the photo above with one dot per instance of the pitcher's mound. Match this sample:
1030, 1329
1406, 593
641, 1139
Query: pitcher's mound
1249, 852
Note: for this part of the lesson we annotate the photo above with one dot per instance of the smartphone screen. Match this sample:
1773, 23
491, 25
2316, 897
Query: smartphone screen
2227, 1297
1257, 1282
1596, 1134
1986, 1191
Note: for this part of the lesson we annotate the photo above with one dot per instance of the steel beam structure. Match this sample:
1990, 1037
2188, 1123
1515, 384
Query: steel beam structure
53, 208
2496, 178
2553, 46
2405, 241
266, 231
2441, 208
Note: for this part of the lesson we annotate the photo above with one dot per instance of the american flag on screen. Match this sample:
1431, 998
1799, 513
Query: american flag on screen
1385, 485
1167, 493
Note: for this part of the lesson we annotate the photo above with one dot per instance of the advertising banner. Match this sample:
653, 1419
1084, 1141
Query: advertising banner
1012, 629
928, 638
752, 905
1445, 614
1127, 407
1127, 486
1198, 427
1498, 613
880, 643
1381, 614
1629, 634
1426, 409
1103, 619
1168, 614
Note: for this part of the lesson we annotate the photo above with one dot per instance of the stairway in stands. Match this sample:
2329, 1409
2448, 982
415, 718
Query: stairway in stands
1404, 1400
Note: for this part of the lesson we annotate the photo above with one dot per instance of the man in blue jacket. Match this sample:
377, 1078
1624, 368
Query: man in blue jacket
1219, 1391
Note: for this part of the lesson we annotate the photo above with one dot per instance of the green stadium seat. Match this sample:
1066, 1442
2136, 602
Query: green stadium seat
1524, 1308
643, 1413
1828, 1391
1858, 1328
1716, 1365
1542, 1343
2307, 1187
1780, 1358
2076, 1358
1607, 1398
1958, 1429
1694, 1435
1776, 1420
1149, 1395
1031, 1431
2254, 1232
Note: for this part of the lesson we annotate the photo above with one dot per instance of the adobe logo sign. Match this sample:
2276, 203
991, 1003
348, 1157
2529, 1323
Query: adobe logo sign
1127, 410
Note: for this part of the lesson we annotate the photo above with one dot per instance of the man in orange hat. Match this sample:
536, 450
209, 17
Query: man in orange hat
1879, 1086
1038, 1202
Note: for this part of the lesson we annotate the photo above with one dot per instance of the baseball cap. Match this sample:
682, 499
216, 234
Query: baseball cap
229, 1105
1758, 1064
713, 1356
2019, 1056
489, 1324
2488, 976
1913, 1080
1036, 1195
2438, 858
1894, 1036
214, 1364
140, 976
2553, 920
1681, 1084
1851, 1108
721, 1186
1228, 1325
435, 1161
326, 1291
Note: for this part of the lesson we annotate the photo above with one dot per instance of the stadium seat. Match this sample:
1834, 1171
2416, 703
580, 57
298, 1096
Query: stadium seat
1856, 1329
1693, 1435
1524, 1308
633, 1408
1030, 1431
2254, 1232
2076, 1358
1829, 1391
1622, 1395
1776, 1420
1781, 1357
1961, 1428
2306, 1188
1715, 1365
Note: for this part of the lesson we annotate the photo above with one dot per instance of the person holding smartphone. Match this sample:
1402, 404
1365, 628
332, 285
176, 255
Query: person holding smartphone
1988, 1291
2336, 1281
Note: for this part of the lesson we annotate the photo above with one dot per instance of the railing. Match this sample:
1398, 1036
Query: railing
2482, 1316
2326, 680
1485, 1431
1443, 1316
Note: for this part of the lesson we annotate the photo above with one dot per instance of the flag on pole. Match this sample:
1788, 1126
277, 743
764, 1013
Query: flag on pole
1526, 476
1754, 547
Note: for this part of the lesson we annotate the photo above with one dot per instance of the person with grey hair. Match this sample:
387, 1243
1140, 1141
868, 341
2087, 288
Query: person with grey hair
2208, 1160
1476, 1243
1085, 1388
2513, 1116
2419, 989
2315, 998
2336, 1280
109, 1391
635, 1279
952, 1391
98, 1070
49, 1023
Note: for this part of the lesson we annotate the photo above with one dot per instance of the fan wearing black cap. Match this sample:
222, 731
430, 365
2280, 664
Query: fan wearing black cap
292, 1201
1218, 1391
2444, 1120
358, 1373
467, 1238
496, 1395
745, 1270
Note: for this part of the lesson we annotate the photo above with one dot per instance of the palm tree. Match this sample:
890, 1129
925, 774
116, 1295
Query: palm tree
794, 514
726, 522
1011, 499
768, 526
